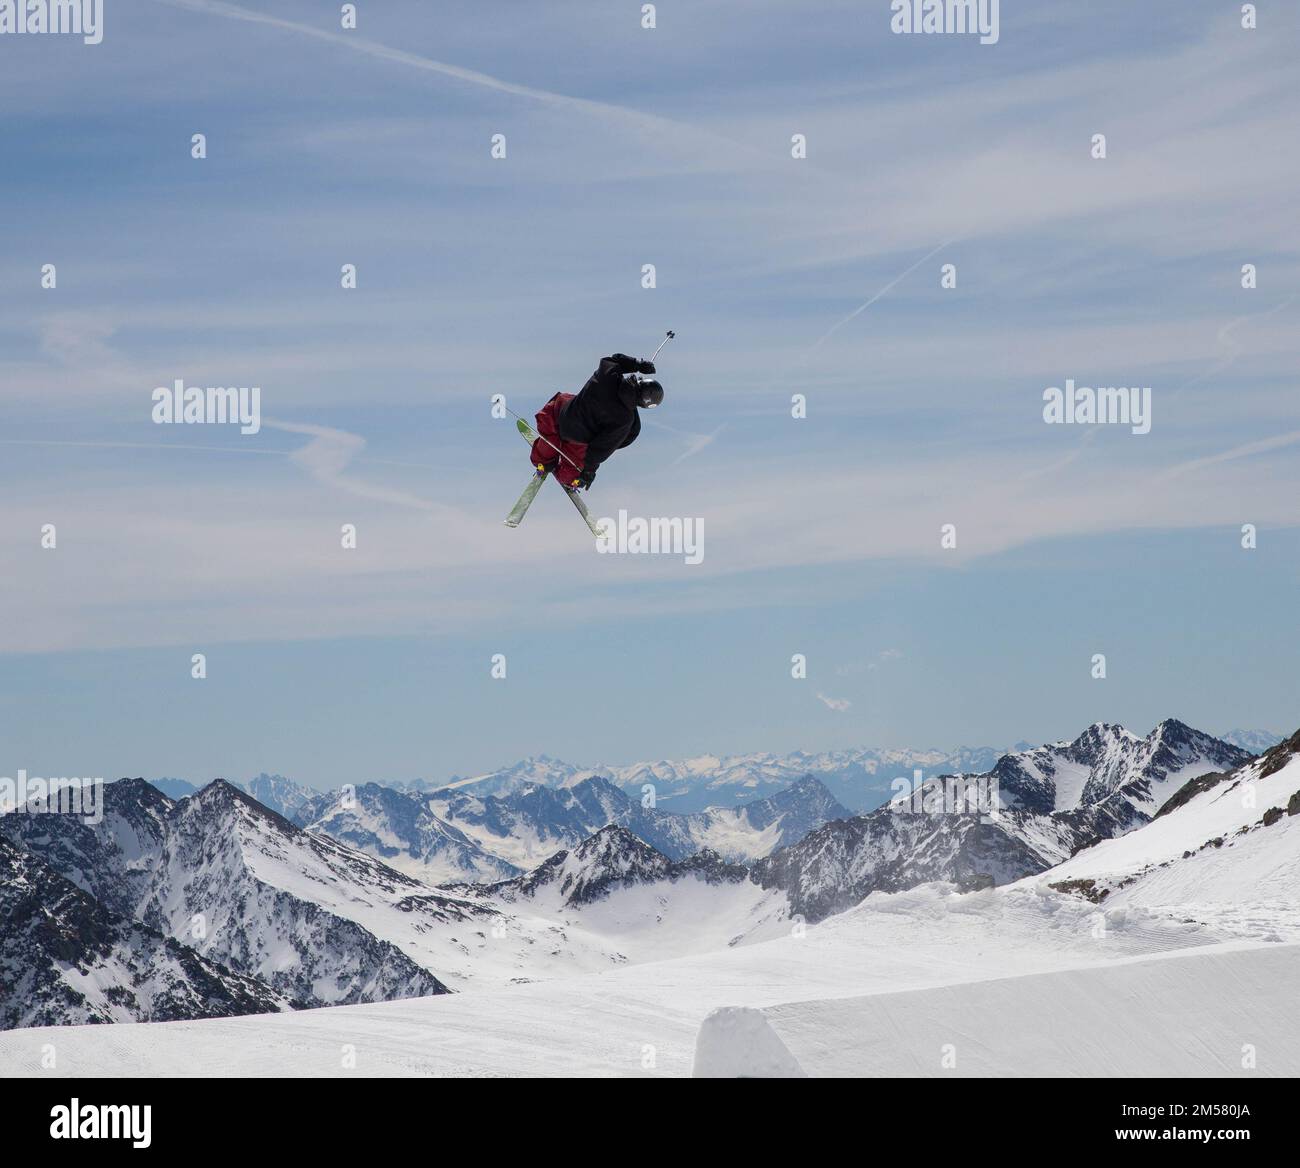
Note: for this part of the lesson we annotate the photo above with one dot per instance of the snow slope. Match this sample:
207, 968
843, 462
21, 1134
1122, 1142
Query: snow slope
1227, 855
641, 1019
1191, 1014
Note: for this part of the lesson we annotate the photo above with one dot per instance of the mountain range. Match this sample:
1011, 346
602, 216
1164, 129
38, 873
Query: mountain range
239, 886
858, 778
1046, 804
218, 903
456, 834
66, 959
612, 858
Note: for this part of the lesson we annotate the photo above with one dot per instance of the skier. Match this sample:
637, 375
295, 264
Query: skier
580, 431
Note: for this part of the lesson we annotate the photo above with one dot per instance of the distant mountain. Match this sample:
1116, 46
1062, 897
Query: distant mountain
859, 778
1252, 741
459, 835
611, 856
530, 824
317, 921
527, 826
242, 886
757, 828
1050, 802
402, 829
66, 959
269, 891
1224, 851
1108, 767
281, 795
610, 859
533, 771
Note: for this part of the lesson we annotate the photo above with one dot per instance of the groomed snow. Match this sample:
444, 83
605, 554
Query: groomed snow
638, 1019
1218, 1012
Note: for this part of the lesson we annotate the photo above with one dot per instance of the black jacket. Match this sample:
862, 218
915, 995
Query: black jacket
603, 414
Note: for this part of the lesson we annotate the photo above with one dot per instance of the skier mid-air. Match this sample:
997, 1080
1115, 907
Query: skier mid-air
576, 432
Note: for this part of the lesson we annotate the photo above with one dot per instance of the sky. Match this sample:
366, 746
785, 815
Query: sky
476, 276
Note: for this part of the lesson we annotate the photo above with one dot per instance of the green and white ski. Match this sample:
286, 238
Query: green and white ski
530, 435
596, 529
530, 492
518, 511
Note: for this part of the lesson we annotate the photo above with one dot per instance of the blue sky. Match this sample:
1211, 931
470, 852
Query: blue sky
628, 146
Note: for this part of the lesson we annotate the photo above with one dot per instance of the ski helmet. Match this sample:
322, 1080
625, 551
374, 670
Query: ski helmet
649, 393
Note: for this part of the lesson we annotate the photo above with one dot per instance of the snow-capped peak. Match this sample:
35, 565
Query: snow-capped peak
611, 858
1050, 802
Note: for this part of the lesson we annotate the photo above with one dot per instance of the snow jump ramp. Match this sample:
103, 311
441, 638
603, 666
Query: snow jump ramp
1222, 1011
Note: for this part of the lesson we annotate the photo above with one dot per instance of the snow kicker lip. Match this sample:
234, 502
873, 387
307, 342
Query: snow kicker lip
736, 1042
1133, 1019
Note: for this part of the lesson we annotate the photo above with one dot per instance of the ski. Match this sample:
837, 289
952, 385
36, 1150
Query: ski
596, 529
530, 492
518, 511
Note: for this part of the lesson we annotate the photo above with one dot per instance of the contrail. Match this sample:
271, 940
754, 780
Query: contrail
694, 442
140, 446
1276, 442
1226, 339
97, 445
861, 308
661, 125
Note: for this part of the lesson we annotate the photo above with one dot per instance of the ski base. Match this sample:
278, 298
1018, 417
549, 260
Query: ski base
596, 529
530, 492
525, 500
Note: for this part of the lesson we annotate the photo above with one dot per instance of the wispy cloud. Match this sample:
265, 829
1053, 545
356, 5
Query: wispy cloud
330, 452
666, 130
854, 667
694, 442
774, 272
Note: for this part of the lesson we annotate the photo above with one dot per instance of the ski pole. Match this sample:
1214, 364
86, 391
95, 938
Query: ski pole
662, 343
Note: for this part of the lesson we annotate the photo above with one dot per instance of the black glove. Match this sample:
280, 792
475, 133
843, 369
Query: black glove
643, 366
586, 478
